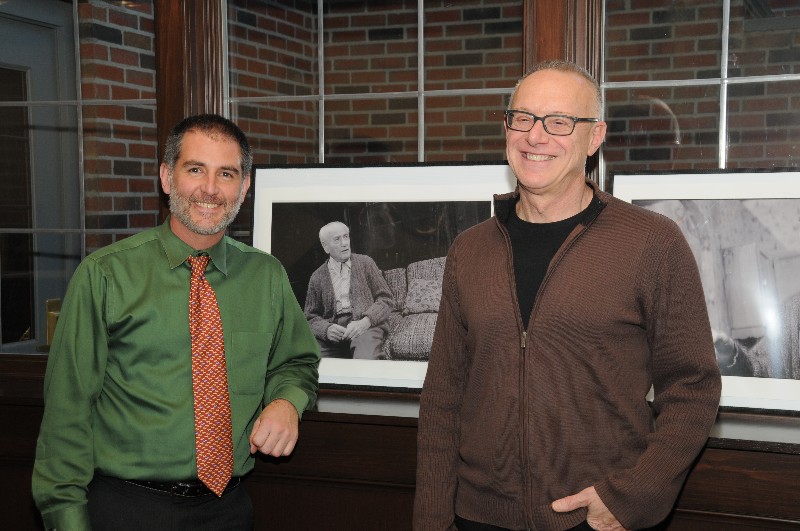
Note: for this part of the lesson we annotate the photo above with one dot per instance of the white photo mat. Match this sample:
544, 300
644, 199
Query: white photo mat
396, 183
737, 392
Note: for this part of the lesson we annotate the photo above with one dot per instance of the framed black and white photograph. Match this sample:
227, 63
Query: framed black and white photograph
744, 230
401, 221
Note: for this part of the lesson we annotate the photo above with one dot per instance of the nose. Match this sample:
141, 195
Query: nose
210, 185
537, 132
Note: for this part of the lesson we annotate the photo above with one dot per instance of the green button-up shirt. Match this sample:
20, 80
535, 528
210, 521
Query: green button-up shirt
118, 387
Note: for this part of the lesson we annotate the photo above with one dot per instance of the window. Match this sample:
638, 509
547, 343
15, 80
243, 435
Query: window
701, 84
77, 133
373, 81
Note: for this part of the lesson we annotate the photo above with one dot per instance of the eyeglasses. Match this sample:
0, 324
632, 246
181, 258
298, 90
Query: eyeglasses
554, 124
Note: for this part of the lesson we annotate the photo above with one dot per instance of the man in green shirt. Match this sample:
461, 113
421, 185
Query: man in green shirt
116, 448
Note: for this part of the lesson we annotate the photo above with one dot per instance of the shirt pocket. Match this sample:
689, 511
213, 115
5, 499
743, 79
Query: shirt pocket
247, 369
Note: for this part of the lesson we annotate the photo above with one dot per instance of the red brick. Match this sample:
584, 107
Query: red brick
119, 18
109, 73
135, 77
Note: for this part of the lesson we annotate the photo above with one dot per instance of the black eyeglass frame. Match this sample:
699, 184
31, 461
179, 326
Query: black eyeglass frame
575, 120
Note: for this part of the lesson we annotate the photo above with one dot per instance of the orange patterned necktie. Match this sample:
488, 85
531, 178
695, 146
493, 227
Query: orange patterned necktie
212, 408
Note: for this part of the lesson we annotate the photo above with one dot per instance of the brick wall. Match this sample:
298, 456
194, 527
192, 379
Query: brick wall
119, 140
272, 52
678, 127
476, 47
370, 47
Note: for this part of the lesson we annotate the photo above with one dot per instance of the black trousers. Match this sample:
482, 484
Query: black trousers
116, 505
468, 525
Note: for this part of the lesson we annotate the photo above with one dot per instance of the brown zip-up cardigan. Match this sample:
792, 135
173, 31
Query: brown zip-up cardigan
514, 416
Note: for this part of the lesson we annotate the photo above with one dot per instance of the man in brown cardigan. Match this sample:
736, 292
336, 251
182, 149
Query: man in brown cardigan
348, 300
558, 315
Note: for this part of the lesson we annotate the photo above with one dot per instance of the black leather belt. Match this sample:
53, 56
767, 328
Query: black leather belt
188, 489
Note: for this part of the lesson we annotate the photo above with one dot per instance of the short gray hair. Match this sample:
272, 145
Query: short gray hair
208, 124
563, 66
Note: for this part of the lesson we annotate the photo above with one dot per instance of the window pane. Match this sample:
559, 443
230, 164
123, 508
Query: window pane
36, 268
763, 38
120, 147
117, 52
473, 46
16, 201
662, 129
371, 131
370, 46
465, 128
764, 125
17, 287
272, 48
39, 178
662, 39
280, 132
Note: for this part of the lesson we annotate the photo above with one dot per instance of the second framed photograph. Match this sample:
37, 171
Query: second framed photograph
392, 226
744, 230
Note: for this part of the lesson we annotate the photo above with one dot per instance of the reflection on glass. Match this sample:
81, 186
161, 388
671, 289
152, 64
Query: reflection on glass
748, 253
662, 129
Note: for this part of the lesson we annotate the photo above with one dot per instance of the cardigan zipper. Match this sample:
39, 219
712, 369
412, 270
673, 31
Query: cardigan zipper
526, 486
523, 346
524, 459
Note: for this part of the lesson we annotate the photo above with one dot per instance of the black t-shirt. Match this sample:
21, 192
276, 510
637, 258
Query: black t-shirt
533, 246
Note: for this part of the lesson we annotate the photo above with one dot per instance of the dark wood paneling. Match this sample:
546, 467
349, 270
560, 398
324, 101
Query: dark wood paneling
16, 504
20, 416
699, 521
745, 482
189, 63
347, 451
301, 505
563, 29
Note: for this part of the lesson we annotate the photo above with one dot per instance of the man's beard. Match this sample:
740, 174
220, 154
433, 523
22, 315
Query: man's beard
180, 207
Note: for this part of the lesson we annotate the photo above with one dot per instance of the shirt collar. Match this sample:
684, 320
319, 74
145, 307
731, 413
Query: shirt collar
178, 251
336, 265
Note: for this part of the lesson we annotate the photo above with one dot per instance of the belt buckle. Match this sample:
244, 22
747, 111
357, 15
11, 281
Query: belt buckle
193, 489
184, 489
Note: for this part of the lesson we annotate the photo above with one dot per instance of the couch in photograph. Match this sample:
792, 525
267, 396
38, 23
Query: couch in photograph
417, 290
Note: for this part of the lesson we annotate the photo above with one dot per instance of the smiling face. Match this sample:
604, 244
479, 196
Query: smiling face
206, 187
335, 239
545, 164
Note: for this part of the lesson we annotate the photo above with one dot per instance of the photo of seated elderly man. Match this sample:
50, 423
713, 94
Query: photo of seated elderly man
348, 300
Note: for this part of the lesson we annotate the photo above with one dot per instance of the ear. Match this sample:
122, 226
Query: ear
163, 173
245, 187
596, 140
